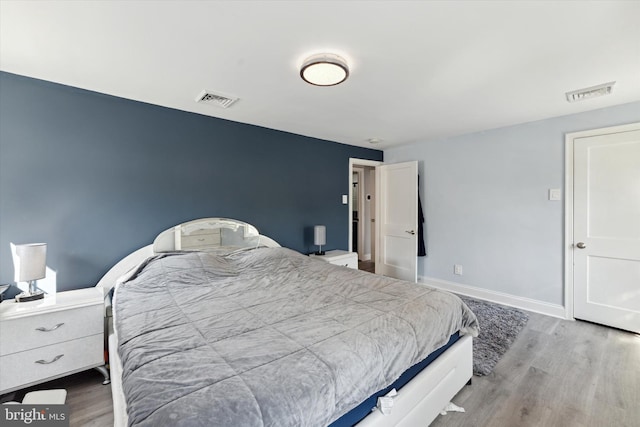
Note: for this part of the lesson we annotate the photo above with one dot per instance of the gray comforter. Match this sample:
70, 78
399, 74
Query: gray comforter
269, 337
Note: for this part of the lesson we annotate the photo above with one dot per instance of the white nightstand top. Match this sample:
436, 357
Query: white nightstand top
335, 254
9, 309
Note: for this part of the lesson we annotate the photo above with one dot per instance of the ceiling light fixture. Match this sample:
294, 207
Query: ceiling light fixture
324, 69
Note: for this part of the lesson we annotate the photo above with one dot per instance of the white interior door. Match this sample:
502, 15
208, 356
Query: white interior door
397, 219
606, 233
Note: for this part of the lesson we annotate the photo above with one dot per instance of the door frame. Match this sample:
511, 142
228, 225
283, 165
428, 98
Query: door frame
358, 162
360, 171
569, 208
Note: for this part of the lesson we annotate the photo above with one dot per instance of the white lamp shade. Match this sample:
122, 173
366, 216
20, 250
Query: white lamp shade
319, 235
29, 261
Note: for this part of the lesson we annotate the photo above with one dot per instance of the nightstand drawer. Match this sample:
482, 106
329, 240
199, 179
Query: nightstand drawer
49, 328
22, 368
351, 262
338, 257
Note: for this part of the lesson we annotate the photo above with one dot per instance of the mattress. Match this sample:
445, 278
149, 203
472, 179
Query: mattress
269, 337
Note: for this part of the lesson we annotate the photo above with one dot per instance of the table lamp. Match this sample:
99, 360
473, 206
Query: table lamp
30, 263
319, 237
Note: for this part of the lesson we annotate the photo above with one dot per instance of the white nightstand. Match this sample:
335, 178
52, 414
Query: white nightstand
344, 258
51, 338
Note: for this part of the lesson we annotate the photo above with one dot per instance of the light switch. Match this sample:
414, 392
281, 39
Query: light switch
345, 199
555, 194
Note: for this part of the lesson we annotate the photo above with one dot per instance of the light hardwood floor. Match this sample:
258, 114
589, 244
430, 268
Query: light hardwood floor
557, 373
367, 266
89, 401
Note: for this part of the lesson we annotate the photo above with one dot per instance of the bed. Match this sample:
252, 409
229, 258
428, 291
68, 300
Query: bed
216, 324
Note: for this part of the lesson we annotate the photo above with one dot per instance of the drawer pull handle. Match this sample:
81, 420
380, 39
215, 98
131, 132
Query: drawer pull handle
43, 329
44, 362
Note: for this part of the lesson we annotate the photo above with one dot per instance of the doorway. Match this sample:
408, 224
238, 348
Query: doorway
390, 216
602, 246
362, 212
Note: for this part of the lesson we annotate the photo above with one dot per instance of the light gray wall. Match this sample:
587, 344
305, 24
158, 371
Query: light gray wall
485, 197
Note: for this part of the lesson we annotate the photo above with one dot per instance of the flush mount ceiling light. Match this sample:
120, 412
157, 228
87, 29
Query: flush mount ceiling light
590, 92
324, 69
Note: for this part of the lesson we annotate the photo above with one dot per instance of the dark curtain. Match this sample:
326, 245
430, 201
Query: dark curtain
422, 250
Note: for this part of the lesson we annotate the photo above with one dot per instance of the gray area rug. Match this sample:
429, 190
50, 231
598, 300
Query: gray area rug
499, 327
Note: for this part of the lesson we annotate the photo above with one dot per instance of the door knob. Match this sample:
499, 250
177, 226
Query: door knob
581, 245
410, 232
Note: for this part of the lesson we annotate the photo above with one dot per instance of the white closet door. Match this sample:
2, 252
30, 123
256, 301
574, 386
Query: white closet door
607, 229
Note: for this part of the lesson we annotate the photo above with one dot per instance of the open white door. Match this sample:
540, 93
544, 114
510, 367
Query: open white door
606, 237
397, 219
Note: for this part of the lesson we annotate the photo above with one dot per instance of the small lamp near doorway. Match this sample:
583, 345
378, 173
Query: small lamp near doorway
319, 238
30, 264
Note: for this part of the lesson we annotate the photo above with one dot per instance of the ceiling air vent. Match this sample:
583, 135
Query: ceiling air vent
208, 97
590, 92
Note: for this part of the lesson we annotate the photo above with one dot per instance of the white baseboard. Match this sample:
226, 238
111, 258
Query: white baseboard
528, 304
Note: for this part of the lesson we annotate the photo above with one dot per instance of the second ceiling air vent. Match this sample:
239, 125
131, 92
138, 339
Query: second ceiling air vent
219, 99
590, 92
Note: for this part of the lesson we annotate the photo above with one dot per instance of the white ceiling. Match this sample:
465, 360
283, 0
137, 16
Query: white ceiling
420, 70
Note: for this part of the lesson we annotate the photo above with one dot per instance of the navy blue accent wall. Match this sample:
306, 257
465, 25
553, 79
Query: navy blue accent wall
96, 177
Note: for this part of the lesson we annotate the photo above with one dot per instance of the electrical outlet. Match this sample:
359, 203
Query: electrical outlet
457, 269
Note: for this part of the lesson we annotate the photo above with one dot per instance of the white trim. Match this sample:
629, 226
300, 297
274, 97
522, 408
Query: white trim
568, 226
361, 216
356, 162
568, 205
528, 304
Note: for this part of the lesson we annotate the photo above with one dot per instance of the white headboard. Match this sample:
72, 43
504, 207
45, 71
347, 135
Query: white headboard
210, 233
199, 234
